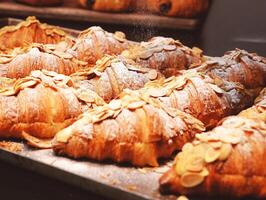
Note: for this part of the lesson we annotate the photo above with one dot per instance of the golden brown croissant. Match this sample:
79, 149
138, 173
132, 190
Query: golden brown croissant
107, 5
132, 129
132, 120
20, 62
94, 43
112, 74
28, 32
228, 161
178, 8
208, 92
42, 104
167, 55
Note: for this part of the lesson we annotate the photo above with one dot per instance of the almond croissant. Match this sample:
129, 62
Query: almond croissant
28, 32
228, 161
20, 62
118, 131
94, 43
133, 129
167, 55
41, 104
221, 87
112, 74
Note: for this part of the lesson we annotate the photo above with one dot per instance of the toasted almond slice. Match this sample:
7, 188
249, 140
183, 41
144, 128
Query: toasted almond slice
182, 198
86, 97
152, 74
64, 135
216, 145
136, 104
8, 92
169, 47
120, 36
115, 104
233, 123
146, 54
230, 138
157, 92
196, 164
187, 147
225, 151
180, 168
190, 180
211, 155
216, 88
205, 172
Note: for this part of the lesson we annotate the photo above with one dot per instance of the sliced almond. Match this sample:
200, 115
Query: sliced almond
233, 123
157, 92
225, 151
211, 155
152, 74
8, 92
169, 47
136, 104
190, 180
182, 198
196, 164
216, 145
187, 147
230, 138
146, 54
216, 89
115, 104
205, 172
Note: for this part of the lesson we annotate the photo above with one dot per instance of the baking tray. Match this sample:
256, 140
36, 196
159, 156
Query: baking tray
76, 14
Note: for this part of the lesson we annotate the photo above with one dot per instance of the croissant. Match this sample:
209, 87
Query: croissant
20, 62
200, 91
167, 55
93, 43
228, 161
178, 8
130, 129
28, 32
41, 104
106, 5
112, 74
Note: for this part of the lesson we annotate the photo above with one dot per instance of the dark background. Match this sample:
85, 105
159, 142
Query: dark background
229, 24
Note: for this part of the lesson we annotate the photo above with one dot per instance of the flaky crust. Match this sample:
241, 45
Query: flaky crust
216, 89
132, 129
28, 32
94, 43
167, 55
227, 161
178, 8
41, 104
118, 130
111, 75
106, 5
20, 62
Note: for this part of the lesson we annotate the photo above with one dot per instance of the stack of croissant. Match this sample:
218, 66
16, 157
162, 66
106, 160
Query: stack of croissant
103, 97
